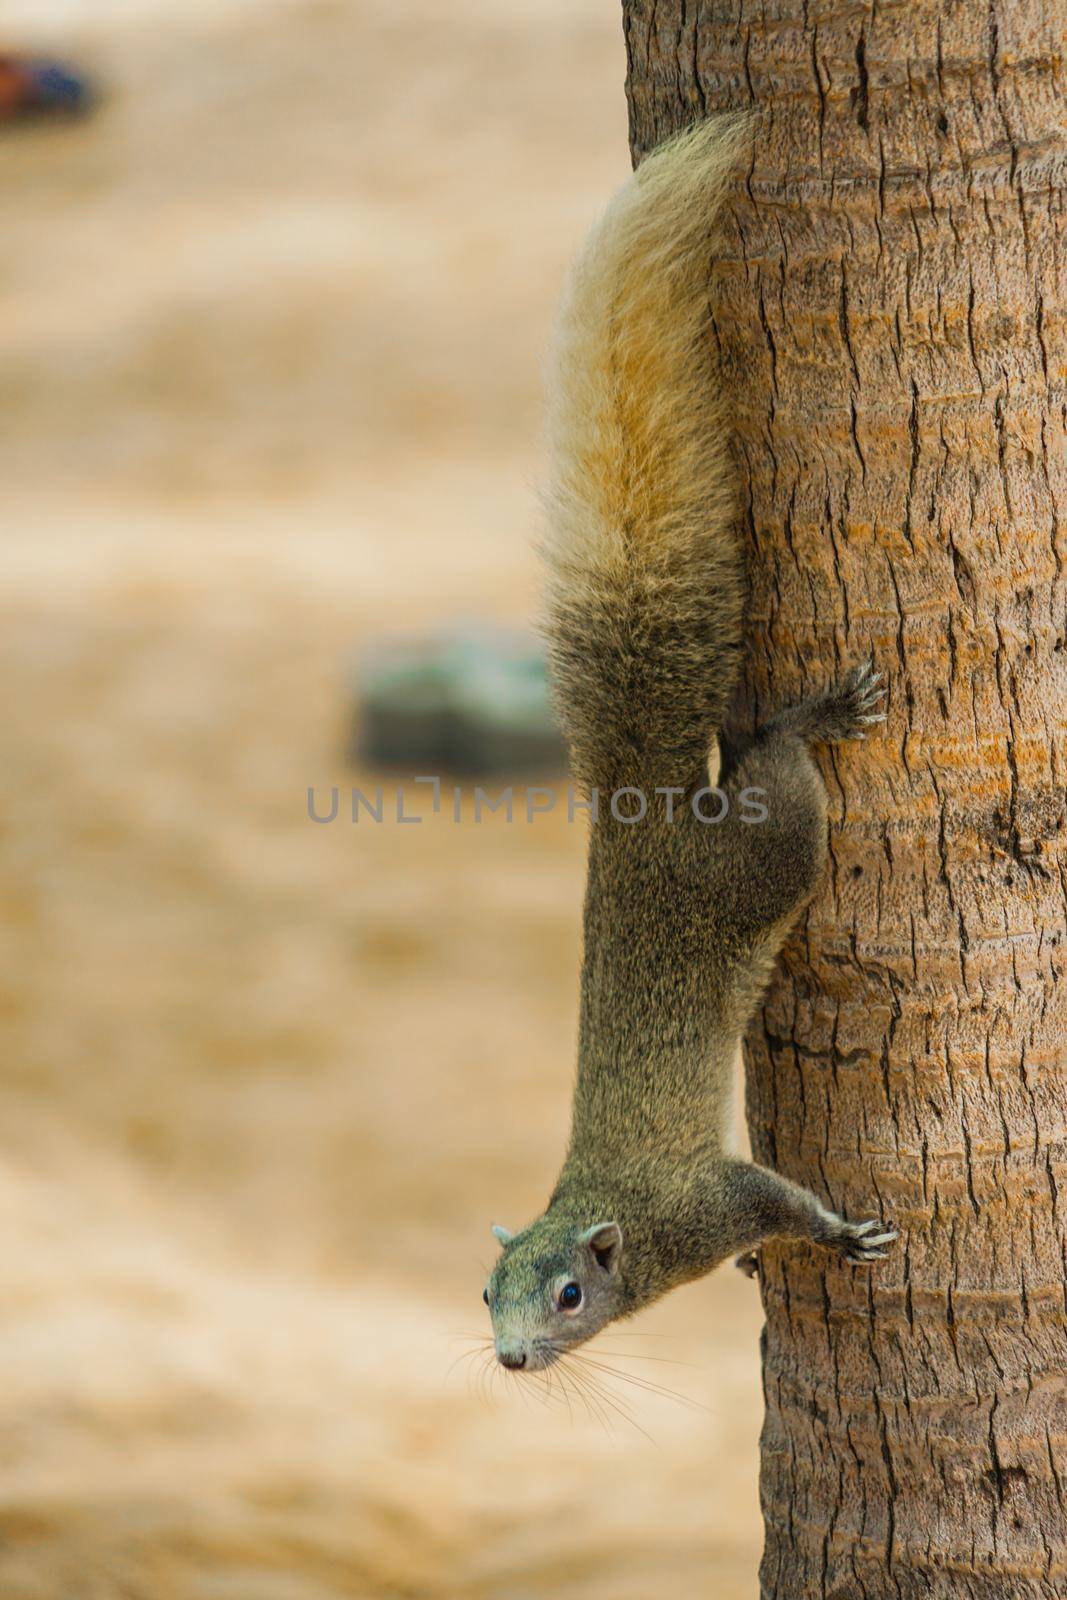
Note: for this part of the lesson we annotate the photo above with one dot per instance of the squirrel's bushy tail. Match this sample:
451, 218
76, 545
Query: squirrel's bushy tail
645, 578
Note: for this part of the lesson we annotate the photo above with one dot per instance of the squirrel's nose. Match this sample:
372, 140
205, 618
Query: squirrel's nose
512, 1358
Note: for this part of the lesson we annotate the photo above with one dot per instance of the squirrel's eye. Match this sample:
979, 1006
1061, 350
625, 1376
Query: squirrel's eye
570, 1297
485, 1296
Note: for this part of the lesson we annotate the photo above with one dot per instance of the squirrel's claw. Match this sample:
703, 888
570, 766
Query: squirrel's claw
861, 1241
861, 691
748, 1263
846, 709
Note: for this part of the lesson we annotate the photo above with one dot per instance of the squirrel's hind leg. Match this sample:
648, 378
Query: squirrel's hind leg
770, 851
844, 711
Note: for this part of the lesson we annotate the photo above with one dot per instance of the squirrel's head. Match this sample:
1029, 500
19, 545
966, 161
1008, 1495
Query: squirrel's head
555, 1285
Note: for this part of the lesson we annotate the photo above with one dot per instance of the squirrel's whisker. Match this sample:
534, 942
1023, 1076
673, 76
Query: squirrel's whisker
632, 1355
570, 1385
465, 1355
589, 1382
638, 1382
590, 1402
619, 1406
572, 1392
488, 1375
550, 1380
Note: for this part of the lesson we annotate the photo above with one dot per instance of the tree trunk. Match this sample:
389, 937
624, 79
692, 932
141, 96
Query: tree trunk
890, 312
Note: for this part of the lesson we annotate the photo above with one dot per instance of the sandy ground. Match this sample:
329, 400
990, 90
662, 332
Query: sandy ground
270, 335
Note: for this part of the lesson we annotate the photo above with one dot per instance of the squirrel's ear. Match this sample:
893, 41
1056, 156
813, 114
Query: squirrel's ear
501, 1235
604, 1239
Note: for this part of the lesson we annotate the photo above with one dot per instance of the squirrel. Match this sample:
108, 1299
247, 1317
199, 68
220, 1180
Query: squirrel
683, 921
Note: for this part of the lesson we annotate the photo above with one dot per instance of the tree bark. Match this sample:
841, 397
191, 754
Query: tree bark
890, 314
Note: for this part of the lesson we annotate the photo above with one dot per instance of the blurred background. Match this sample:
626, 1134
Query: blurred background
270, 348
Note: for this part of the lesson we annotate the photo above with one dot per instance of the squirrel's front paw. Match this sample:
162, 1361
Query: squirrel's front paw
748, 1263
858, 1241
852, 706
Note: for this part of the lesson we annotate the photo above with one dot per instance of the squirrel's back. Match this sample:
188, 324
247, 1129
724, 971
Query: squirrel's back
645, 579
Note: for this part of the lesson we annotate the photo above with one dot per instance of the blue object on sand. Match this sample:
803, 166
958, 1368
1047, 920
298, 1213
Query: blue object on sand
34, 86
471, 700
59, 88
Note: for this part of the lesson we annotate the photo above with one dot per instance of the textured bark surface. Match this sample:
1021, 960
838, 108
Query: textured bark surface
891, 321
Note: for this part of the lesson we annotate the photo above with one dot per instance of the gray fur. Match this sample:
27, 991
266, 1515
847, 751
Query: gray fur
683, 920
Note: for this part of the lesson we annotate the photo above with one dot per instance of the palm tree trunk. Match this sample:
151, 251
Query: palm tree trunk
890, 313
